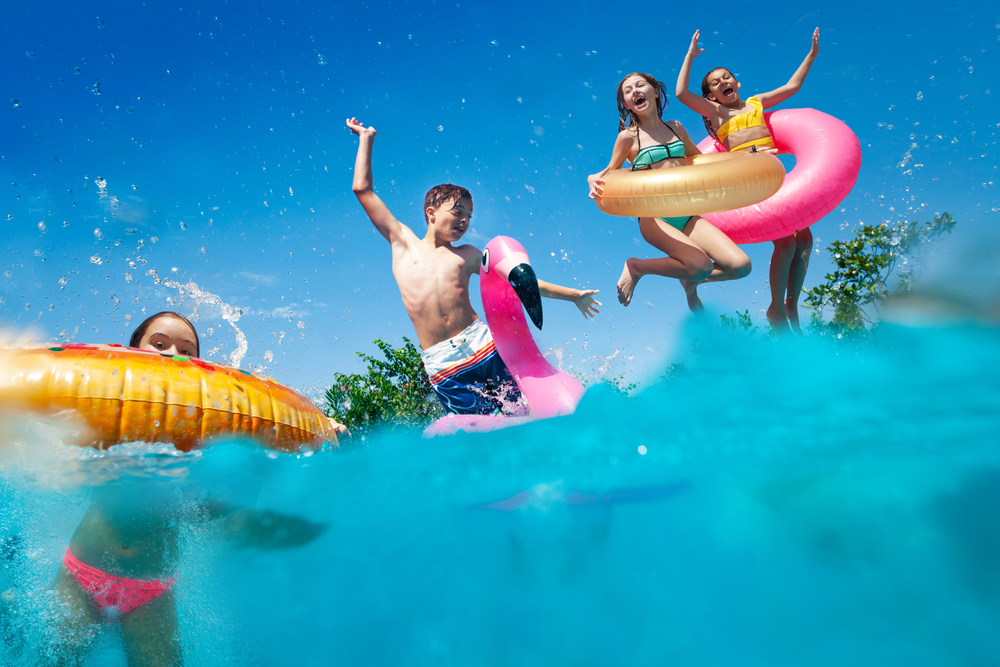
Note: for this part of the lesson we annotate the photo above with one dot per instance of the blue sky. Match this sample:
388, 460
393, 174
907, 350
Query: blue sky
147, 146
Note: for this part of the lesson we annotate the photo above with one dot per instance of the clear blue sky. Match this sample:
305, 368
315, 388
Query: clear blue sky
218, 131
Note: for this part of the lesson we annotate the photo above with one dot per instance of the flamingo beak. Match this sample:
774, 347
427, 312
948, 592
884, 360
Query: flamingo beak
522, 279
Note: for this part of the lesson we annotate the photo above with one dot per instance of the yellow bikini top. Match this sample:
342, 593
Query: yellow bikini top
752, 118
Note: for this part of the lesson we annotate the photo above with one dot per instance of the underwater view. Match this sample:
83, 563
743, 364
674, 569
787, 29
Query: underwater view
736, 471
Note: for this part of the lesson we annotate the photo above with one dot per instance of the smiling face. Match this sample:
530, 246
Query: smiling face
169, 335
638, 94
721, 86
451, 219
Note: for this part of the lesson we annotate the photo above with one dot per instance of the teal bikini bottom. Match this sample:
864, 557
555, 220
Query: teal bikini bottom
677, 223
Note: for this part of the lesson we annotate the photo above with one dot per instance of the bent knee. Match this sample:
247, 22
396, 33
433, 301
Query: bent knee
741, 269
700, 270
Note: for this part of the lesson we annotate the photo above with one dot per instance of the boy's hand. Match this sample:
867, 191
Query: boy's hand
358, 128
587, 303
693, 50
814, 51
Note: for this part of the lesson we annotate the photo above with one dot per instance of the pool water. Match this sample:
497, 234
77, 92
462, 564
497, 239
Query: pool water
807, 502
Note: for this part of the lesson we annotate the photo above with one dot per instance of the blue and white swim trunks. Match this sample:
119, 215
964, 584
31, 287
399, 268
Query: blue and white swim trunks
468, 375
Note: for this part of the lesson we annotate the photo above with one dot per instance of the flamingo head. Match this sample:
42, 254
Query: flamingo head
506, 258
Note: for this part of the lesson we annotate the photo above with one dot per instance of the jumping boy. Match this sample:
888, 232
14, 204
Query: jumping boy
461, 360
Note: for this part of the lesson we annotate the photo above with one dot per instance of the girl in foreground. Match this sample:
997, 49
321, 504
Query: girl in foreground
739, 126
696, 252
120, 558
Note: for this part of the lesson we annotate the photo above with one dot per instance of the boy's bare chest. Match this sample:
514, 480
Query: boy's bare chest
422, 268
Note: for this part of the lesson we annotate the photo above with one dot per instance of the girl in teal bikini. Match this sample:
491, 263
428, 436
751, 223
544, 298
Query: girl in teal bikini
696, 252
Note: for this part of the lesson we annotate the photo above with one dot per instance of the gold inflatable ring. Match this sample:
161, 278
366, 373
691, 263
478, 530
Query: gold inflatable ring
120, 394
707, 184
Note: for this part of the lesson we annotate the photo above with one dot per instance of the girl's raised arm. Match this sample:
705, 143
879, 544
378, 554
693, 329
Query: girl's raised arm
779, 95
696, 103
623, 144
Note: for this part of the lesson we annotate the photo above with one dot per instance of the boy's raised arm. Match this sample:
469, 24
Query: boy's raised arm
377, 211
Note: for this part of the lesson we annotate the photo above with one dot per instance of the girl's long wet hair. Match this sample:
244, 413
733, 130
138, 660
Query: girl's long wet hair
141, 329
705, 92
626, 116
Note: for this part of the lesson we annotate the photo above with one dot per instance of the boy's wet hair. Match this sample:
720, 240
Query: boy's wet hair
627, 116
705, 92
439, 194
140, 331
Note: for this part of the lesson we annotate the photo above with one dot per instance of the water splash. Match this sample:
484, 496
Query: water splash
201, 297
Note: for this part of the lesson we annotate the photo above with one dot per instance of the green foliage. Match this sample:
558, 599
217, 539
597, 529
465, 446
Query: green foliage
394, 392
866, 264
741, 323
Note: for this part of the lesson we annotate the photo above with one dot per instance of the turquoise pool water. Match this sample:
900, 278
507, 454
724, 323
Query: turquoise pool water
845, 514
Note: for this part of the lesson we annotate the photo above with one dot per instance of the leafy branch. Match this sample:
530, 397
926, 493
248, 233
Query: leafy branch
392, 392
865, 266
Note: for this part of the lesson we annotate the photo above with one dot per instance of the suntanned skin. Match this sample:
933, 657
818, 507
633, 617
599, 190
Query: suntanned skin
790, 258
432, 272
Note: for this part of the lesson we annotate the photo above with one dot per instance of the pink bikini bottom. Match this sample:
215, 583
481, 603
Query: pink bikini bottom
109, 591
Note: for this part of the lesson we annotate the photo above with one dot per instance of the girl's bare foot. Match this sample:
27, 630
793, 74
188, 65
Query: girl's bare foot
691, 292
777, 319
627, 282
792, 313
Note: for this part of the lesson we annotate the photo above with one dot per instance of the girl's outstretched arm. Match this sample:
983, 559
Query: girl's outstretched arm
697, 103
619, 154
779, 95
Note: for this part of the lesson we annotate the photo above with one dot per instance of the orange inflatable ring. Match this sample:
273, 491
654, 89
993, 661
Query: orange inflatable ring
706, 184
123, 394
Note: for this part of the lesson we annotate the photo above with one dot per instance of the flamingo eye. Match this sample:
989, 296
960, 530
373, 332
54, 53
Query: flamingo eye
486, 260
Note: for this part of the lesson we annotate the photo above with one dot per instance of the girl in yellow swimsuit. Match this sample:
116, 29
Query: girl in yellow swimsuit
696, 251
739, 126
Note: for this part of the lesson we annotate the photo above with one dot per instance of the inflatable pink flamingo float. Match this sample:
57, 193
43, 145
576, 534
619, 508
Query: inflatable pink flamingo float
508, 282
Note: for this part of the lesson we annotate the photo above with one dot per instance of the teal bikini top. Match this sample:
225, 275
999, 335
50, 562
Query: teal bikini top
647, 157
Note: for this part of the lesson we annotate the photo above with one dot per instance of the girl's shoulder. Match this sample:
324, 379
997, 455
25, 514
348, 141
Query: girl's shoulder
627, 136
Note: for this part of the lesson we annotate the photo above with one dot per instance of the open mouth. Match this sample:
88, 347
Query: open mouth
728, 90
639, 100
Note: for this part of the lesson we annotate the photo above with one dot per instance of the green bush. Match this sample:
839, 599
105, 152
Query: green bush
865, 266
392, 393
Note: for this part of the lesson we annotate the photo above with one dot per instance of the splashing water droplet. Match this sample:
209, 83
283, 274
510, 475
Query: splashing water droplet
320, 59
96, 260
920, 95
42, 228
440, 128
268, 356
15, 103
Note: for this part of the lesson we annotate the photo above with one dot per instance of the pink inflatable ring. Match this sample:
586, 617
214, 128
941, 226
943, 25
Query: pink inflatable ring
827, 161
